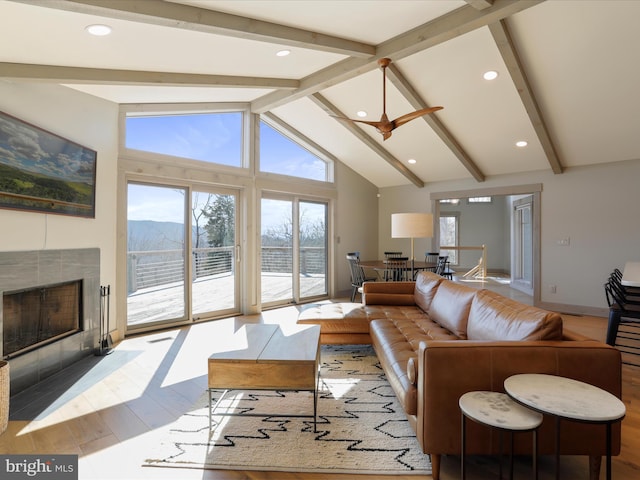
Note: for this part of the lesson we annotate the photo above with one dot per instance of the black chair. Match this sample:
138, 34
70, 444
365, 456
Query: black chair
431, 257
442, 267
623, 308
396, 269
358, 276
387, 256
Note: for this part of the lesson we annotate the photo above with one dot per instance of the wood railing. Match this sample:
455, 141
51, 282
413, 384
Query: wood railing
480, 270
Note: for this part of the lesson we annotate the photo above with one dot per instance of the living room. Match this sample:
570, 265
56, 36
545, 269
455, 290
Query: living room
592, 204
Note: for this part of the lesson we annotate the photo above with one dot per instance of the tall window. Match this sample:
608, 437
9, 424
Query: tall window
449, 234
208, 137
279, 154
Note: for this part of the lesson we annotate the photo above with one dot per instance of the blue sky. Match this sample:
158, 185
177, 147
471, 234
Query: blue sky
215, 138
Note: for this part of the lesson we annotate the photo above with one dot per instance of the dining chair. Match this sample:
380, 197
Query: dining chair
396, 269
623, 308
431, 257
358, 276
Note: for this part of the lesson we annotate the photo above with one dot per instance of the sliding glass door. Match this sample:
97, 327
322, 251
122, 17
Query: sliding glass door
293, 250
173, 234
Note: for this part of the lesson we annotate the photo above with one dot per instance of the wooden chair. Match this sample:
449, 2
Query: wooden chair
358, 276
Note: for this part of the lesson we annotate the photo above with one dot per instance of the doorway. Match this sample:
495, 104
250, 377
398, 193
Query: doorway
294, 245
181, 255
525, 265
522, 245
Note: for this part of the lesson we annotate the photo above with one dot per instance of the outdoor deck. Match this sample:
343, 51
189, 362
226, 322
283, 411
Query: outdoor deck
212, 293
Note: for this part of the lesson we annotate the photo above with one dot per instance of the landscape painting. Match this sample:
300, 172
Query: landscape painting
43, 172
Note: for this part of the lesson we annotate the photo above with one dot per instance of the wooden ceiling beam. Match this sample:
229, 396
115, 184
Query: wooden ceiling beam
504, 42
187, 17
79, 75
480, 4
406, 89
331, 109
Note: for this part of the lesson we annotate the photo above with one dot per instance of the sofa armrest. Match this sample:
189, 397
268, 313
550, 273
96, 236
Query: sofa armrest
448, 369
388, 293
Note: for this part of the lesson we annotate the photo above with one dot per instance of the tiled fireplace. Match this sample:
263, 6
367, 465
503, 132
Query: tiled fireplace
52, 317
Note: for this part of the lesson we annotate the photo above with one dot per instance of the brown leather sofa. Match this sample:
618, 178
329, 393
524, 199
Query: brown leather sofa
437, 340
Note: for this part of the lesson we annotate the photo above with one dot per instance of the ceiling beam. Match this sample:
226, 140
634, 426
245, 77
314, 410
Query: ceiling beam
187, 17
504, 42
79, 75
332, 110
480, 4
404, 86
458, 22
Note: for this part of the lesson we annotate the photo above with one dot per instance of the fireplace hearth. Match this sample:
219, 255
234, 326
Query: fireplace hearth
50, 311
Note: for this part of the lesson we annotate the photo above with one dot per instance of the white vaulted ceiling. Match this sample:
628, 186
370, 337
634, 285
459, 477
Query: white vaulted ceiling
567, 73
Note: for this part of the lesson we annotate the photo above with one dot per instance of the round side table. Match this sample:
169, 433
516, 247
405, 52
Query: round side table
566, 398
497, 410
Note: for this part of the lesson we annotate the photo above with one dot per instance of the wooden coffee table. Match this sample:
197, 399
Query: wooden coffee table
267, 357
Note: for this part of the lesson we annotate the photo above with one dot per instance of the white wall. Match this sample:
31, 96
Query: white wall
356, 222
92, 123
595, 206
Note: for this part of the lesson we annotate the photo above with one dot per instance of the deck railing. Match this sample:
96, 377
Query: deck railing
160, 267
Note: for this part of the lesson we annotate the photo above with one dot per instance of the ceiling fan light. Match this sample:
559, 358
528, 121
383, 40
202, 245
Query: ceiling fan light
490, 75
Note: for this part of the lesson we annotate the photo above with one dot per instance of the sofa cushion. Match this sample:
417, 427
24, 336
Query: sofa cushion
450, 307
494, 317
426, 287
336, 317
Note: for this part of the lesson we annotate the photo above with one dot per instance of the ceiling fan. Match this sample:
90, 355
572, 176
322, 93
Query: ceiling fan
386, 126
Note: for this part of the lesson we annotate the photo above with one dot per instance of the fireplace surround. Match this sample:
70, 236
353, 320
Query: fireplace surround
28, 271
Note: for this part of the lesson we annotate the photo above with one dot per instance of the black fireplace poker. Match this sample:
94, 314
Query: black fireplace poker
105, 345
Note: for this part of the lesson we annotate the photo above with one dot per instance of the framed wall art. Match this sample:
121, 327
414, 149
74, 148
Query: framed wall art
41, 171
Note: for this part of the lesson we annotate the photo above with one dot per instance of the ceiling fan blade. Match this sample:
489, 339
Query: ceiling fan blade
413, 115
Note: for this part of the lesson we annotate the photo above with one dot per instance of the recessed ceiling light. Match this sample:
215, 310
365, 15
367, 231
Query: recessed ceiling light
412, 160
98, 30
361, 114
521, 143
283, 53
490, 75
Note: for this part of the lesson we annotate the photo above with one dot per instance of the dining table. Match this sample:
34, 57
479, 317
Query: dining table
631, 274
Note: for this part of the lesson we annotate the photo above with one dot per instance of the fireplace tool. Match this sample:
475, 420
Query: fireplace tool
106, 343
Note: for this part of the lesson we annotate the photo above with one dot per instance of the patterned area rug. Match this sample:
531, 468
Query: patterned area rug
361, 427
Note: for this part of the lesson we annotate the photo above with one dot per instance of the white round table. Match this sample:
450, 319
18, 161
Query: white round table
497, 410
566, 398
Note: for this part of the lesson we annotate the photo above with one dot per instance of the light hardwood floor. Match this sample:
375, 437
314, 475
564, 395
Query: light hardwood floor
110, 410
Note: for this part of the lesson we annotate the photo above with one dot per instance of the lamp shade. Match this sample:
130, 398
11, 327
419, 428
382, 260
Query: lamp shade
411, 225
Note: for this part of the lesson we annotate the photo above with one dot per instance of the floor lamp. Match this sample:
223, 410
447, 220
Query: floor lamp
411, 225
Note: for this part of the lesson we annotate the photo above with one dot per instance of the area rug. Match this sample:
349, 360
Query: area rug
361, 427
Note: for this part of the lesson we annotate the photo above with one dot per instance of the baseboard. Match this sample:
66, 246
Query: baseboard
574, 309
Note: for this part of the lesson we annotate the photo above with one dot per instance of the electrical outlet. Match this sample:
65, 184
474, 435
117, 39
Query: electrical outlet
564, 242
552, 289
